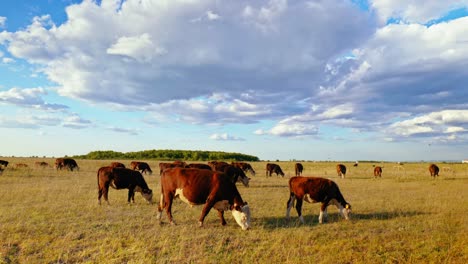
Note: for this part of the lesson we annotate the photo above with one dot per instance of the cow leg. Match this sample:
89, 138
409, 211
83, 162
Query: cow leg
221, 216
131, 194
323, 211
299, 209
289, 205
105, 192
206, 209
168, 198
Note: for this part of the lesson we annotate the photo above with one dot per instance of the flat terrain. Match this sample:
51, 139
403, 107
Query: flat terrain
49, 216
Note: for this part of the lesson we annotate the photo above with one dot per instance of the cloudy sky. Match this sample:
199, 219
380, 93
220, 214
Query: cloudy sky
278, 79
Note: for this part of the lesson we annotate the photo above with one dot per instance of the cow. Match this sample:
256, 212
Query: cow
167, 165
117, 165
3, 163
378, 171
316, 190
200, 166
143, 167
41, 164
211, 189
433, 170
273, 168
21, 165
68, 163
298, 168
341, 170
246, 167
122, 178
234, 174
215, 164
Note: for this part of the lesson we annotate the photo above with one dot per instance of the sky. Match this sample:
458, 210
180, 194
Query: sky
281, 80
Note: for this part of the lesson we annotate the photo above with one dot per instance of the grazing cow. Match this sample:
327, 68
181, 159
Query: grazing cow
234, 174
203, 187
341, 170
180, 163
246, 167
298, 168
68, 163
143, 167
20, 165
273, 168
200, 166
122, 178
117, 165
434, 170
316, 190
3, 163
215, 164
41, 164
378, 171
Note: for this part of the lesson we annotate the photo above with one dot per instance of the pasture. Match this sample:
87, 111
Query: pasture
49, 216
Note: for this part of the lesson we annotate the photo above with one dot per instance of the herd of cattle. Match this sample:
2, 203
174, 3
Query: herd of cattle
213, 185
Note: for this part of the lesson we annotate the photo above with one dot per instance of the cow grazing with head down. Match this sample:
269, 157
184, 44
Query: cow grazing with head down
434, 170
67, 163
121, 178
273, 168
41, 164
298, 168
143, 167
377, 171
341, 170
203, 187
246, 167
235, 174
316, 190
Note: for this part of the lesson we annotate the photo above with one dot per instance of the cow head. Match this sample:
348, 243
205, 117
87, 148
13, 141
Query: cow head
148, 195
242, 215
346, 211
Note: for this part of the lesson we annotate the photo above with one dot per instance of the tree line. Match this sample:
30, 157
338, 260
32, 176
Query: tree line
167, 154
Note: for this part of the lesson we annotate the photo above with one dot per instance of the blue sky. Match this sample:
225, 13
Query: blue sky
307, 80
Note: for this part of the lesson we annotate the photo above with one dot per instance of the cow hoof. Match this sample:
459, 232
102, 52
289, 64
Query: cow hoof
200, 224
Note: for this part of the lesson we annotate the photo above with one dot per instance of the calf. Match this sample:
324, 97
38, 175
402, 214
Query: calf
273, 168
203, 187
316, 190
121, 178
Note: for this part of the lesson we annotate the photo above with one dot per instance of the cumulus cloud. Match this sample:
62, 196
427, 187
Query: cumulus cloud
225, 137
75, 121
29, 97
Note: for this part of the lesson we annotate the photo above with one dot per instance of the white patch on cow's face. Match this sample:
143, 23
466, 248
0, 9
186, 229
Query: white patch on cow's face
245, 181
346, 211
222, 205
180, 193
242, 217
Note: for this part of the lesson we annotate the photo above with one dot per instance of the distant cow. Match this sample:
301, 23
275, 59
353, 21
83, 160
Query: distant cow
41, 164
246, 167
273, 168
434, 170
235, 174
67, 163
316, 190
378, 171
3, 163
121, 178
341, 170
21, 165
298, 168
216, 164
117, 165
143, 167
203, 187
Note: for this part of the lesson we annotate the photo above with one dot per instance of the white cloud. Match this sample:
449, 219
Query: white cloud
7, 60
29, 97
225, 137
76, 122
140, 48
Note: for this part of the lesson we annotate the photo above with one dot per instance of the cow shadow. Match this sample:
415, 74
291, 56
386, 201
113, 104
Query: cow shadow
275, 222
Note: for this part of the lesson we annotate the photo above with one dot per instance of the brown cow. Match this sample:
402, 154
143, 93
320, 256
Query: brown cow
273, 168
234, 173
20, 165
121, 178
41, 164
166, 165
434, 170
378, 171
316, 190
203, 187
215, 164
341, 170
68, 163
246, 167
143, 167
117, 165
298, 168
200, 166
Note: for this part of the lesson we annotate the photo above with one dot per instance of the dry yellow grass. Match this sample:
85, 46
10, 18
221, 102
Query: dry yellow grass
406, 217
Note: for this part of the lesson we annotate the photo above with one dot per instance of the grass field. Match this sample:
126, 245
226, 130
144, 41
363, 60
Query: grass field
405, 217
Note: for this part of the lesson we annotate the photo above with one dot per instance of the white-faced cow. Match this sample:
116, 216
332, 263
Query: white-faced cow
246, 167
273, 168
341, 170
67, 163
121, 178
316, 190
377, 171
203, 187
143, 167
434, 170
298, 168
